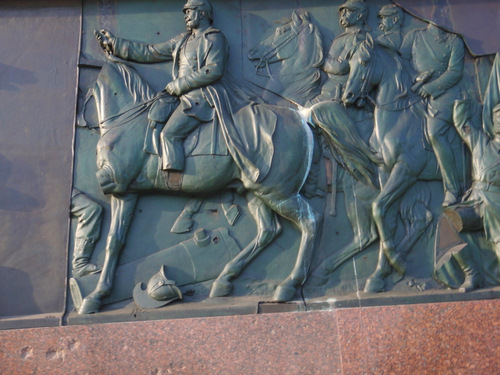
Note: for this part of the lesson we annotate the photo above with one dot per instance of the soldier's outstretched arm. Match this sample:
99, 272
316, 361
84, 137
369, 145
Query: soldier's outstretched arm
136, 51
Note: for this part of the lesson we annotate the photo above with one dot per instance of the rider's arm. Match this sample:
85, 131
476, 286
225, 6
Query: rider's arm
145, 53
453, 73
333, 63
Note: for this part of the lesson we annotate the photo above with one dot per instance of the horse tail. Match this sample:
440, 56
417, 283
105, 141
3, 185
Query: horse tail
346, 145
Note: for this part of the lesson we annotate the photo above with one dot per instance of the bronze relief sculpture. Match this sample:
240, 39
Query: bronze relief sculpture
377, 105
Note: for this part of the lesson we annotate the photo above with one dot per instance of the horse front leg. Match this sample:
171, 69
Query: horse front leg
359, 198
385, 216
122, 211
302, 215
268, 228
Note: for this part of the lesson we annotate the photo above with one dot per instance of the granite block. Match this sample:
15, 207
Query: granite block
439, 338
286, 343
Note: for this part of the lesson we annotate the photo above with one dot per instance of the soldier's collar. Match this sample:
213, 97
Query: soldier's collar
209, 29
353, 30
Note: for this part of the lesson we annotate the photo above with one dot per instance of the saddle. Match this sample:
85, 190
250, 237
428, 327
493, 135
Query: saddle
206, 139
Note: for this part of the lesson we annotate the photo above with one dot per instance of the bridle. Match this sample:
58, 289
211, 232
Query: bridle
273, 49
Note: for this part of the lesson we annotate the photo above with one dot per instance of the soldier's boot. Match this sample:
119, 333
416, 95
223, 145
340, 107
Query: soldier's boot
81, 258
473, 278
172, 153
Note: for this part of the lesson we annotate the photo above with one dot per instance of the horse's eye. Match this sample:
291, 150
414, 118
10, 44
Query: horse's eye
363, 62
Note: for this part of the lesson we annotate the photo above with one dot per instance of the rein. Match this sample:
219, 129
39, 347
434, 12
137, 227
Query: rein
386, 107
138, 109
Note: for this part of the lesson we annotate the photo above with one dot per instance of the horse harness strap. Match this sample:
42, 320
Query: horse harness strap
135, 111
386, 107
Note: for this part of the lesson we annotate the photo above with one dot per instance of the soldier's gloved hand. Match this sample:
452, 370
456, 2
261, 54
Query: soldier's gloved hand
105, 39
423, 92
177, 87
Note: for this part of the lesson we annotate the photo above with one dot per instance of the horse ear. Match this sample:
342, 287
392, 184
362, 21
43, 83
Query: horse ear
369, 41
306, 16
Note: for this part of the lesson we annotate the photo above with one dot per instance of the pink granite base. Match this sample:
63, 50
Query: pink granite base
442, 338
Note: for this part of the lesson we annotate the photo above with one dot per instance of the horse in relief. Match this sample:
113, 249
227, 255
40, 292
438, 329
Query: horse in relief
399, 135
125, 170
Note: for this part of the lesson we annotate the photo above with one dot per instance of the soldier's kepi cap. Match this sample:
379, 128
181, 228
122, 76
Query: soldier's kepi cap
160, 291
388, 10
353, 5
201, 4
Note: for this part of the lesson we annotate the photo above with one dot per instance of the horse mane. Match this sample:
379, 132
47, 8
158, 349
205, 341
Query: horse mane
303, 79
138, 89
400, 74
308, 28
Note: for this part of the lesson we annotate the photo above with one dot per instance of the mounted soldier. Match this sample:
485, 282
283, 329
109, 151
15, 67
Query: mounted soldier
199, 59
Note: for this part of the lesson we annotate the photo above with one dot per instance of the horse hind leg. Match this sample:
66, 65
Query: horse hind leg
416, 218
415, 214
385, 215
359, 212
268, 228
302, 215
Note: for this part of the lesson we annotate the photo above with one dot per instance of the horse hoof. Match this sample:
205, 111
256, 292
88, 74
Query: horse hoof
284, 293
89, 306
374, 285
221, 288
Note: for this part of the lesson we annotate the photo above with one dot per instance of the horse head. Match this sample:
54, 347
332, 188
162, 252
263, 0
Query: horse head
286, 42
122, 99
361, 78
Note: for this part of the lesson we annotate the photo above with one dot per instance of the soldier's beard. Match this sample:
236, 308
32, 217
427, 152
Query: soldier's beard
496, 129
192, 24
345, 22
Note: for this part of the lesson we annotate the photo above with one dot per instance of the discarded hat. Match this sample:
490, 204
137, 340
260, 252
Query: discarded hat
159, 292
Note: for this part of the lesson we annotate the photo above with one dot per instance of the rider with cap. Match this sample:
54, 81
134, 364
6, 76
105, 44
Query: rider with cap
353, 14
199, 60
391, 20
